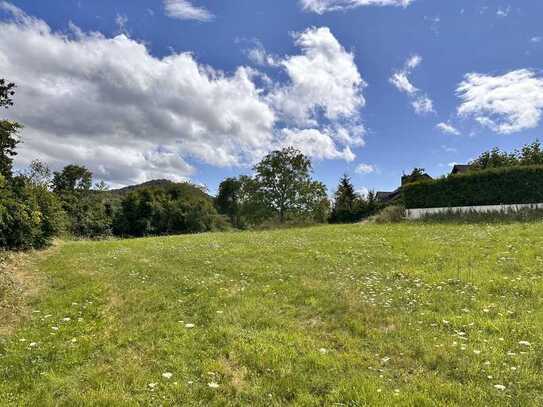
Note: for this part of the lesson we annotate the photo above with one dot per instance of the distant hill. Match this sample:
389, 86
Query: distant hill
189, 189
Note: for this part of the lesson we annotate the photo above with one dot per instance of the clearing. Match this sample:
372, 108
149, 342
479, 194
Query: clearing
407, 314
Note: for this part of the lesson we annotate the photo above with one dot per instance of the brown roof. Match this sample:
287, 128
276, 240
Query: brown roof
460, 168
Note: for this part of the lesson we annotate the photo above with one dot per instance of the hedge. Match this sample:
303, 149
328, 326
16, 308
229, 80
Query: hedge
501, 186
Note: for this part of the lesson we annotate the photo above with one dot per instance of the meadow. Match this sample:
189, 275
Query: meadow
378, 315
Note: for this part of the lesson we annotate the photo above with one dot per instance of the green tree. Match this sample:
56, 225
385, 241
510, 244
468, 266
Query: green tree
228, 200
284, 183
7, 91
494, 158
73, 178
346, 202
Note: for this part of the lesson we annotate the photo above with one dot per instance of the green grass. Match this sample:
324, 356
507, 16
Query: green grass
407, 314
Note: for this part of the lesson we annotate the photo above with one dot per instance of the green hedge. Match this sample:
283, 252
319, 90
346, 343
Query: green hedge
513, 185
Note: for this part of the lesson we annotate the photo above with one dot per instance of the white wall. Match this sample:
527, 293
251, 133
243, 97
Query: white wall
419, 213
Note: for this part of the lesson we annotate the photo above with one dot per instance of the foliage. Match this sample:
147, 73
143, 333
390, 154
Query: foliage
8, 142
513, 185
284, 184
390, 214
161, 211
7, 91
88, 212
530, 154
228, 200
525, 215
30, 215
350, 207
418, 174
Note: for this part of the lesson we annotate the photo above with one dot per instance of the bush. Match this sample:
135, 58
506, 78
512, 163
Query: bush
153, 211
514, 185
524, 215
30, 215
390, 214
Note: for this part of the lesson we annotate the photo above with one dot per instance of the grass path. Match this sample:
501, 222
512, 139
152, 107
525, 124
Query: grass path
414, 315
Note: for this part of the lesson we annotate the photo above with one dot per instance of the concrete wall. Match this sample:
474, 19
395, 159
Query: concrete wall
419, 213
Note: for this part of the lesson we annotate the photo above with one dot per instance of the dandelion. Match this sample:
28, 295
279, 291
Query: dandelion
323, 351
500, 387
213, 385
152, 385
33, 344
66, 319
167, 375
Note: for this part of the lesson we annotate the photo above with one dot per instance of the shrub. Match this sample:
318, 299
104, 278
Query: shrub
30, 215
514, 185
153, 211
390, 214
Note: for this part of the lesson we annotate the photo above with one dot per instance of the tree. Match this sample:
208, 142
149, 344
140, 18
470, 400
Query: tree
531, 154
345, 202
284, 182
8, 142
6, 93
228, 200
494, 158
73, 178
8, 131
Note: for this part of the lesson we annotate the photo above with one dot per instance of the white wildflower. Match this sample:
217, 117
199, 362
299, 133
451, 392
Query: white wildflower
213, 385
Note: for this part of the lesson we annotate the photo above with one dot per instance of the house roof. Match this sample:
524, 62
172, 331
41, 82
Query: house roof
460, 168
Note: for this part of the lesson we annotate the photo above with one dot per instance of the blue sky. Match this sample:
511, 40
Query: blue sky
419, 51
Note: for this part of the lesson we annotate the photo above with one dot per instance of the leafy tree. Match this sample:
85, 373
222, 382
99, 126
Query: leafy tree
228, 200
417, 174
284, 183
8, 131
88, 212
531, 154
38, 174
494, 158
6, 93
8, 142
163, 211
73, 178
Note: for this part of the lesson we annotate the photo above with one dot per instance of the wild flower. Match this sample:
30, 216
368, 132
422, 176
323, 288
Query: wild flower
524, 343
167, 375
500, 387
213, 385
189, 326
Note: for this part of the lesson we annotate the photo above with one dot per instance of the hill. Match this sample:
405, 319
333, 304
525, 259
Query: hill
353, 315
161, 184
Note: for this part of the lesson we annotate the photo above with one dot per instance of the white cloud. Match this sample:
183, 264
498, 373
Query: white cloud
324, 77
316, 143
362, 191
421, 103
506, 104
185, 10
503, 12
448, 129
131, 117
323, 6
364, 168
536, 40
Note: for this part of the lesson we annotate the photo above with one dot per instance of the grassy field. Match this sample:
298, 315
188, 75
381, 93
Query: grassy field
414, 315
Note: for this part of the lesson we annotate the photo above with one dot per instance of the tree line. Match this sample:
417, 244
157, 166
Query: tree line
37, 204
